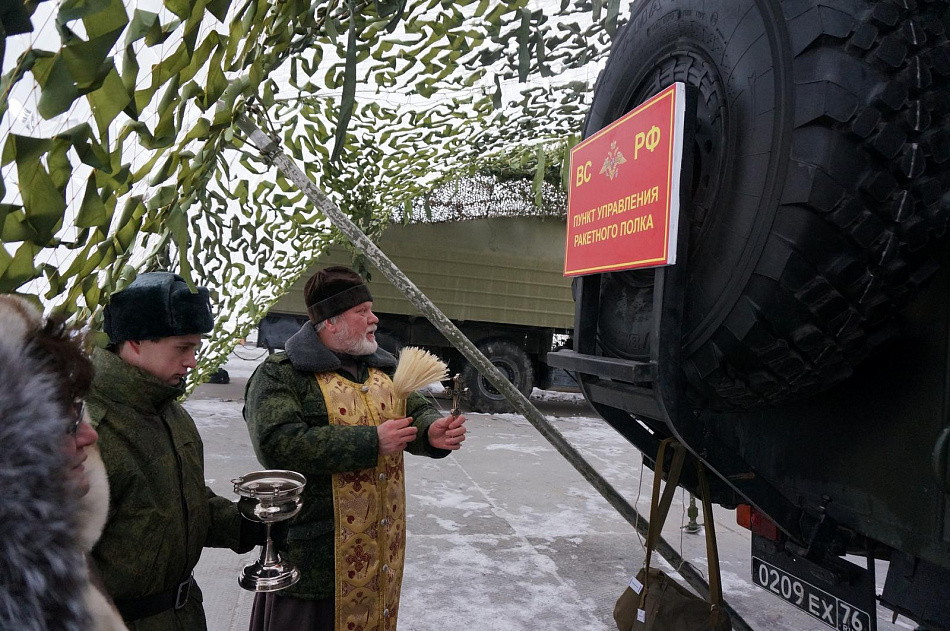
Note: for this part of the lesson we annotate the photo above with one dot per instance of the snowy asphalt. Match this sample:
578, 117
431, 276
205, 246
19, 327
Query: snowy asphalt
503, 535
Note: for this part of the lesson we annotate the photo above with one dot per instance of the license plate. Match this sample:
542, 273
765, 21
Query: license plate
823, 606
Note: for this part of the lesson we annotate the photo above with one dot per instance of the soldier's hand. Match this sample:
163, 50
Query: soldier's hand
394, 435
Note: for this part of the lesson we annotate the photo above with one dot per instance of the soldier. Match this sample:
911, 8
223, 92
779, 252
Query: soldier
319, 408
161, 513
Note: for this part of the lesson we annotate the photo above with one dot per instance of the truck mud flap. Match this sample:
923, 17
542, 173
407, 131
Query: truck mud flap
918, 589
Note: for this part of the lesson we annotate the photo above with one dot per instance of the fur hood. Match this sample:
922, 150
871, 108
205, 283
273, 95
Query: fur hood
92, 517
44, 574
42, 571
18, 320
94, 505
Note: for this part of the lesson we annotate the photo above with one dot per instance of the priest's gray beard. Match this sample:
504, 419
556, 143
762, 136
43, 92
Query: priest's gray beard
354, 344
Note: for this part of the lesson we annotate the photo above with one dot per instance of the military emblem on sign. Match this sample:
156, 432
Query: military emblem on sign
613, 161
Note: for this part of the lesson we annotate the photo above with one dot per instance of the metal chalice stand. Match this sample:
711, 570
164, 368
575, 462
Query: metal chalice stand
269, 497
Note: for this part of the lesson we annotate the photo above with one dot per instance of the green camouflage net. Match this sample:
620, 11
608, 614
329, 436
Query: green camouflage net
120, 152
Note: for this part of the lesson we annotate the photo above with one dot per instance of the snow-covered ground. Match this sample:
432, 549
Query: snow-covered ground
503, 535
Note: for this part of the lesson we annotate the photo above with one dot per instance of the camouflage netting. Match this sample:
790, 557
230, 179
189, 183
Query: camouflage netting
485, 195
120, 153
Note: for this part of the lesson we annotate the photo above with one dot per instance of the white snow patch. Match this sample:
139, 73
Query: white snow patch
553, 395
212, 413
565, 521
736, 585
442, 499
490, 585
445, 524
521, 449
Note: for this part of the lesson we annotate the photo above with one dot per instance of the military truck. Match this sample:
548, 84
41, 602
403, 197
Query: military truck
800, 346
500, 280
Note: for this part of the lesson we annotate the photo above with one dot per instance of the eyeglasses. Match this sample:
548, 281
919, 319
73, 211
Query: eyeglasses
73, 427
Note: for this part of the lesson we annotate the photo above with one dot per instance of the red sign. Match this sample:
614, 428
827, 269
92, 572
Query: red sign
623, 198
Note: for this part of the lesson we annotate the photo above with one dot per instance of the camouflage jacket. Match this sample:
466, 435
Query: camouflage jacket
287, 419
161, 514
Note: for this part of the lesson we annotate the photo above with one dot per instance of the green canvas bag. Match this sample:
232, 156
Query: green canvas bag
660, 603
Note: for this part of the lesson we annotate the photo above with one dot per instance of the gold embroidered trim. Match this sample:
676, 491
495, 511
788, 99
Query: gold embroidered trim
369, 510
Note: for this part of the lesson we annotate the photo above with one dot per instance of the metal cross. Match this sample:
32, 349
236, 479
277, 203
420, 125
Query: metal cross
457, 392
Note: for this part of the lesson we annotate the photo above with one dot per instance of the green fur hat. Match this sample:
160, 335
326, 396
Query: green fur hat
157, 305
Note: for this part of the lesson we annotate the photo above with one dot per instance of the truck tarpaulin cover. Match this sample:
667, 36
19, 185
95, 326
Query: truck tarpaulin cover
623, 198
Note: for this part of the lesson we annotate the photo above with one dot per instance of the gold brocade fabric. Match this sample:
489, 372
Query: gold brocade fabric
369, 510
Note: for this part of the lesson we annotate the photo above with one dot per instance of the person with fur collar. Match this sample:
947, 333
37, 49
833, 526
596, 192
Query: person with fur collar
325, 408
93, 513
54, 487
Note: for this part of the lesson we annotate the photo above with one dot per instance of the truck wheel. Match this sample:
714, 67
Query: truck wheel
513, 363
821, 157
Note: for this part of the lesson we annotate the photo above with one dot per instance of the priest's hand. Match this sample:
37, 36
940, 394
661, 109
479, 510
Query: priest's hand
447, 433
394, 435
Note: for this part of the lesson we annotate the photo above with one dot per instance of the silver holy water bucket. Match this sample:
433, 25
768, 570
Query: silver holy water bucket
269, 497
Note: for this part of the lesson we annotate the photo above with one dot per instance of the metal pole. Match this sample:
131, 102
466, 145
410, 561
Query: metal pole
356, 236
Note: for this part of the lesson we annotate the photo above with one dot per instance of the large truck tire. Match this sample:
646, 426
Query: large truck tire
820, 165
513, 362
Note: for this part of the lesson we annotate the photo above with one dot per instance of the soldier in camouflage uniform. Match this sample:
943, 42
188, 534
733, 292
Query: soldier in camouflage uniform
161, 513
325, 408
